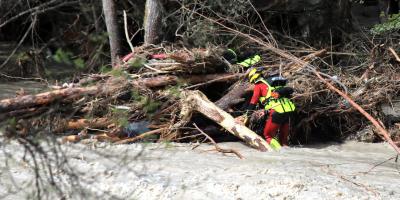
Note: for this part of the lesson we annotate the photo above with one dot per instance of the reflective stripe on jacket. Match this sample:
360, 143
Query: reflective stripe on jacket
250, 61
280, 105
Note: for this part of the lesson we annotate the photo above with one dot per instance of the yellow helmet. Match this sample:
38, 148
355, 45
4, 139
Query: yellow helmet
254, 74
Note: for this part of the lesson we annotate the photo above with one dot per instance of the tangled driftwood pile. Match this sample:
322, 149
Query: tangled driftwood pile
153, 94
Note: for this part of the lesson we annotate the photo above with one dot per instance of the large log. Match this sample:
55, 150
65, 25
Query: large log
76, 124
45, 98
158, 81
106, 88
235, 95
167, 80
92, 123
197, 101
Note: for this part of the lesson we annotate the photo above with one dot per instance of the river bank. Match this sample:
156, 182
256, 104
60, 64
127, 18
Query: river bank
9, 89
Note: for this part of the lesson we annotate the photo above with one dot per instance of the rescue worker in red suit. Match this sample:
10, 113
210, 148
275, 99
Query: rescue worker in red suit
273, 94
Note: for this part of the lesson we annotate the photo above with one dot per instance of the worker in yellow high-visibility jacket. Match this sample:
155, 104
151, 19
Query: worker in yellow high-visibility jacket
245, 60
273, 94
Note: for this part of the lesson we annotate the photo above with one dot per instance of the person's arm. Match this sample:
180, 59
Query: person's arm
254, 99
252, 105
260, 90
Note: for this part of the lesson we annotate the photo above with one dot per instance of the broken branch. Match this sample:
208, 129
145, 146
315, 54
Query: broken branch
218, 148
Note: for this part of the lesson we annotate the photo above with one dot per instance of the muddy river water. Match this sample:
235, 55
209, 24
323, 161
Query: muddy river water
175, 171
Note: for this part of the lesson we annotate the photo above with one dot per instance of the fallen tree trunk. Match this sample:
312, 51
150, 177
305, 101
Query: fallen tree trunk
213, 78
84, 123
45, 98
197, 101
93, 123
234, 96
158, 81
166, 80
109, 87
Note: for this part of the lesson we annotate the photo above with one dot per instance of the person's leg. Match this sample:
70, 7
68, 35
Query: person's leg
284, 133
270, 129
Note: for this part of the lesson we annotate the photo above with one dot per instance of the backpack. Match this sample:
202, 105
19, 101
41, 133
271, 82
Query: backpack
279, 83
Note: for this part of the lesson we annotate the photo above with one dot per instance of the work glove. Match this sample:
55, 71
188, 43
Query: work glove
260, 114
242, 120
275, 95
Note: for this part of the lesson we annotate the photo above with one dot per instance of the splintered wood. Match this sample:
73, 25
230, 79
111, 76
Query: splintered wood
197, 101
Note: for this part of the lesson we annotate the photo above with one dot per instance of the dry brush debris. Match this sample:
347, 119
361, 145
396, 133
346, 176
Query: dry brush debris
151, 84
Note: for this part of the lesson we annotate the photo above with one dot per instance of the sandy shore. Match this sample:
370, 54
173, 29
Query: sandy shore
174, 171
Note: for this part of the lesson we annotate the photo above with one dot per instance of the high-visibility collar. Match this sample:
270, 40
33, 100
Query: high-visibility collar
250, 61
270, 89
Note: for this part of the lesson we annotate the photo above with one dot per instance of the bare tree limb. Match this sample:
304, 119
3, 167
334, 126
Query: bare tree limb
19, 43
379, 127
394, 54
139, 137
39, 9
126, 33
218, 148
312, 69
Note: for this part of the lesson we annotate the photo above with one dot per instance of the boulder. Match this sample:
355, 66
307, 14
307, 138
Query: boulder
391, 112
364, 135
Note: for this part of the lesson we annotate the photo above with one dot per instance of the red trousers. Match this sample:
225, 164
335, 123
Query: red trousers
272, 128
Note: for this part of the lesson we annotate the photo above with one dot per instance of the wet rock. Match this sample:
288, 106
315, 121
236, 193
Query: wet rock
136, 128
395, 132
391, 112
364, 135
